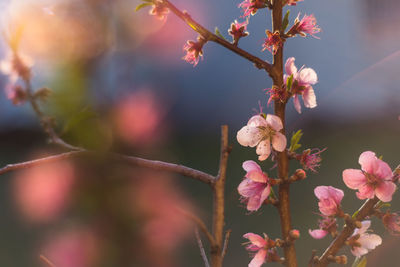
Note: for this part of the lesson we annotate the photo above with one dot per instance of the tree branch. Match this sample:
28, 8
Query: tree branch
47, 261
201, 247
209, 36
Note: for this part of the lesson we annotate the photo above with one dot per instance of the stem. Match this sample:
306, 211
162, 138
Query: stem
219, 202
282, 160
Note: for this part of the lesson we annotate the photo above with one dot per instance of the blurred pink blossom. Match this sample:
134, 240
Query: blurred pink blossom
362, 242
72, 247
374, 178
42, 192
138, 117
392, 223
263, 131
255, 188
159, 10
329, 199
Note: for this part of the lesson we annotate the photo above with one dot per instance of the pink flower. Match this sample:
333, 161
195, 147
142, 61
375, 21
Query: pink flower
159, 10
277, 94
362, 242
17, 66
302, 84
250, 7
194, 50
261, 131
374, 178
259, 246
238, 30
329, 199
392, 222
326, 225
307, 25
292, 2
311, 158
255, 188
16, 94
273, 42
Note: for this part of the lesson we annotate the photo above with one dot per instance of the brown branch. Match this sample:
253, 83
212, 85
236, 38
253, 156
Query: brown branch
209, 36
367, 209
47, 261
201, 247
219, 201
226, 242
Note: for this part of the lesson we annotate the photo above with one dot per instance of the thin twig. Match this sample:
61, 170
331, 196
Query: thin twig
226, 242
200, 224
201, 247
47, 261
259, 63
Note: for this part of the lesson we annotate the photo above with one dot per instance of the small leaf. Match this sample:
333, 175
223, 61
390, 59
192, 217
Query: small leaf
142, 5
285, 21
294, 143
289, 83
354, 214
219, 34
360, 262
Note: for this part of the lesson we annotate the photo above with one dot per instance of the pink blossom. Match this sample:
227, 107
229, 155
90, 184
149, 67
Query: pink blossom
273, 42
194, 50
16, 94
259, 246
302, 84
392, 223
72, 247
362, 242
250, 7
159, 10
374, 178
255, 188
311, 158
327, 225
307, 25
263, 131
292, 2
277, 94
238, 30
16, 66
329, 199
42, 192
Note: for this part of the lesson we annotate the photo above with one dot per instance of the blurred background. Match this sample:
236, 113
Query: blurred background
119, 83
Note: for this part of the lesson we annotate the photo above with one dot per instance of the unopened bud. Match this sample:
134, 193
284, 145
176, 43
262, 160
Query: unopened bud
300, 174
294, 234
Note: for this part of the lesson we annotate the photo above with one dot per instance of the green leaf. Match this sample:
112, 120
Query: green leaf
354, 214
285, 21
294, 143
219, 34
142, 5
289, 83
360, 262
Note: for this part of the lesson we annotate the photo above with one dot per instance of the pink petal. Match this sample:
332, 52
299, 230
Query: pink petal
296, 102
257, 121
247, 188
290, 67
370, 241
265, 193
255, 239
318, 233
385, 191
364, 227
309, 98
254, 202
250, 165
249, 136
263, 149
383, 170
359, 251
354, 179
365, 191
257, 176
368, 162
258, 259
307, 76
274, 122
279, 142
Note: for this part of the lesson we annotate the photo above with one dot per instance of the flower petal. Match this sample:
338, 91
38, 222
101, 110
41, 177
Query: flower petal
370, 241
317, 233
264, 149
290, 67
367, 161
359, 251
249, 136
354, 179
250, 165
309, 98
257, 121
366, 191
265, 193
274, 122
296, 102
307, 76
255, 239
247, 188
259, 258
385, 191
279, 142
257, 176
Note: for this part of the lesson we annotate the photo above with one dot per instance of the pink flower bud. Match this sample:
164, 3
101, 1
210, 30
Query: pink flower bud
329, 199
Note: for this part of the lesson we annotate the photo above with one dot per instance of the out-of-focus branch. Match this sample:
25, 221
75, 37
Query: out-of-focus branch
200, 224
201, 247
367, 209
47, 261
209, 36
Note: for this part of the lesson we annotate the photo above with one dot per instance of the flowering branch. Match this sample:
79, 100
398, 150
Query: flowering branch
209, 36
367, 209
